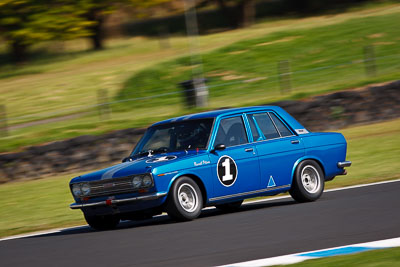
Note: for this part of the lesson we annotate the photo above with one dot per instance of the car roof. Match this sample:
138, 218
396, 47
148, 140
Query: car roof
232, 111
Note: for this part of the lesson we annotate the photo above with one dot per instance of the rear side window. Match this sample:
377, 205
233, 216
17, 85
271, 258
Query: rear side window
281, 127
266, 125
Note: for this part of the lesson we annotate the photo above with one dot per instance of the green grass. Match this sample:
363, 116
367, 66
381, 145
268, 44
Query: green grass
67, 82
44, 204
376, 258
374, 151
37, 205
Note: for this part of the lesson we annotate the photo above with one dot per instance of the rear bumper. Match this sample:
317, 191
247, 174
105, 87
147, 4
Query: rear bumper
343, 164
111, 202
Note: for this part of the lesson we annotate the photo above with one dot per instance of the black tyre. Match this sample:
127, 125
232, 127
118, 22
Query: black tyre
104, 222
308, 182
185, 200
230, 207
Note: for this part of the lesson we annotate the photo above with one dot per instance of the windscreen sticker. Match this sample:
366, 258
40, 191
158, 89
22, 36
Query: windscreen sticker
301, 131
227, 170
161, 159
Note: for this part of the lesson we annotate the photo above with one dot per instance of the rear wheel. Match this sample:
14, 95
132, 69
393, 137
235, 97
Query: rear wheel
229, 207
308, 183
185, 200
102, 222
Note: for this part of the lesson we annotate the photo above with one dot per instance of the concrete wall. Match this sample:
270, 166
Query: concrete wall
84, 153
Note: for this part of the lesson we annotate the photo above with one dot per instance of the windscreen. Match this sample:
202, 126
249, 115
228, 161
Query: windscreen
185, 135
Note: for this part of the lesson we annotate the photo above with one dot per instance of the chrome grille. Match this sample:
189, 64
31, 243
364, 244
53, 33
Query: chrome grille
111, 186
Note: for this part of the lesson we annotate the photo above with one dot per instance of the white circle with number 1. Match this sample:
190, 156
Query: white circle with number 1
227, 170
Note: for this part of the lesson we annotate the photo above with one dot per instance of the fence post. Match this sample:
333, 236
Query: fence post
284, 73
103, 105
369, 60
163, 38
3, 121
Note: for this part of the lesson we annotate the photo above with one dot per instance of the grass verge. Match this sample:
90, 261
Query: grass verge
381, 257
43, 204
37, 205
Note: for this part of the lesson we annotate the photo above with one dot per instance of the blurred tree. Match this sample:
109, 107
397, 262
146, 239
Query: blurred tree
97, 11
26, 22
312, 6
248, 12
239, 13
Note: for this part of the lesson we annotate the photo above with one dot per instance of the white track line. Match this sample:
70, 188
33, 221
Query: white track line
299, 257
58, 230
362, 185
46, 232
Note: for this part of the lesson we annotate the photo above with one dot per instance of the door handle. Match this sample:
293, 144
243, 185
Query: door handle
295, 141
249, 150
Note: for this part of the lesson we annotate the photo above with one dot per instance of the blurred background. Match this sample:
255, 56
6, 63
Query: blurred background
80, 80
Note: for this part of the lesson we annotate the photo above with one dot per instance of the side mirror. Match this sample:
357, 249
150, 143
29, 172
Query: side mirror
219, 147
126, 159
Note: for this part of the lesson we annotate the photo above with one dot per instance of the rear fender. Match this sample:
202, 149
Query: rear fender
307, 157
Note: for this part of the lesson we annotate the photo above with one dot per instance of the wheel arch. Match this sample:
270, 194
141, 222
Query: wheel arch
315, 159
196, 179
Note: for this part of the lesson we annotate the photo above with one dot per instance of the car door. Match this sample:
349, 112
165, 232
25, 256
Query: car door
278, 149
235, 169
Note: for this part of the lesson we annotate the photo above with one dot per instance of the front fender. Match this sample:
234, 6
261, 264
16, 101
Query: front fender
196, 178
180, 174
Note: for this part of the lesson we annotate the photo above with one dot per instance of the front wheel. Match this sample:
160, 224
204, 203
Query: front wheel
185, 200
103, 222
308, 182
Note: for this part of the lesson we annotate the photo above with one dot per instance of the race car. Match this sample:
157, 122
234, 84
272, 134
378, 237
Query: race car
216, 158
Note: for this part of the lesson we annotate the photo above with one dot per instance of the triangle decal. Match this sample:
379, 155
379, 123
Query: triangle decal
271, 182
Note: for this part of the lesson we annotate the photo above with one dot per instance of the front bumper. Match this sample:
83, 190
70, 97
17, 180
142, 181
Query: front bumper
110, 202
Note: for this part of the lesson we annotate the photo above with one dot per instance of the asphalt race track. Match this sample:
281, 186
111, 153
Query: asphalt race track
258, 230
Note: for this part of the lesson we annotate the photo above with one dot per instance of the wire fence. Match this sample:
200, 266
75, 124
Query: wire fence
282, 78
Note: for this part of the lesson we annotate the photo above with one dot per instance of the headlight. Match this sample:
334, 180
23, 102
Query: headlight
147, 181
85, 188
137, 182
76, 190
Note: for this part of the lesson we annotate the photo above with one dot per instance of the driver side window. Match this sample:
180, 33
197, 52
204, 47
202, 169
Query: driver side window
231, 132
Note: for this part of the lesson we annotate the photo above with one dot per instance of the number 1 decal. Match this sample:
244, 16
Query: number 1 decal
227, 165
226, 170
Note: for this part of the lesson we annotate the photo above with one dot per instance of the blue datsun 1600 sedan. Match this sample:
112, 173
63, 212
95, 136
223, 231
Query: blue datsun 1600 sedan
216, 158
